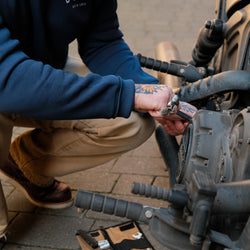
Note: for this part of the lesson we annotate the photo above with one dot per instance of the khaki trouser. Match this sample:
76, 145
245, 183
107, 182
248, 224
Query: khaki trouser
56, 148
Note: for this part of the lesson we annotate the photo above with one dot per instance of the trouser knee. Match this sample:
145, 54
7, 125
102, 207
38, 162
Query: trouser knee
141, 129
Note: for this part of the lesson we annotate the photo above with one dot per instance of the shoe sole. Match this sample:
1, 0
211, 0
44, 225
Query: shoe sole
66, 204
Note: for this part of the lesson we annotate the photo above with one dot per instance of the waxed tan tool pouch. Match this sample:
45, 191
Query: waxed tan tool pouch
125, 236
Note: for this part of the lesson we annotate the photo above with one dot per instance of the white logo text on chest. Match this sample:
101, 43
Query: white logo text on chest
76, 3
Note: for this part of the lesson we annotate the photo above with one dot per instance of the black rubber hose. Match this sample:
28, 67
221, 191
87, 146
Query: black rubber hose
108, 205
169, 150
220, 83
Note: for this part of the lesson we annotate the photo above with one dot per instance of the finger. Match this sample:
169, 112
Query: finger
180, 126
170, 131
175, 127
158, 115
170, 128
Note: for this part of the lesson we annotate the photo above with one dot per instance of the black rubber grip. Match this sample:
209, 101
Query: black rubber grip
174, 196
150, 191
158, 65
108, 205
187, 71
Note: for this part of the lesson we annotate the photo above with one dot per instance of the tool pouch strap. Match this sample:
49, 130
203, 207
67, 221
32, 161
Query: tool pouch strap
132, 244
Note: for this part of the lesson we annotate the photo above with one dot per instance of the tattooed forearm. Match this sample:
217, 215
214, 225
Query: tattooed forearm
147, 88
187, 108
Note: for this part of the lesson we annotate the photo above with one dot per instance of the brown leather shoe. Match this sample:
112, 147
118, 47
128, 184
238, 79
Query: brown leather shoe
56, 196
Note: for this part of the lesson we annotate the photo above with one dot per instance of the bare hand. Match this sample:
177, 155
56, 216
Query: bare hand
152, 98
172, 123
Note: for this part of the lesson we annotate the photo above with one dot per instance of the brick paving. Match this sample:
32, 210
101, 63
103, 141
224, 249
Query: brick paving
144, 23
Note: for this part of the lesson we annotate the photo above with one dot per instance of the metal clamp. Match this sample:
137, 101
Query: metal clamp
103, 244
137, 236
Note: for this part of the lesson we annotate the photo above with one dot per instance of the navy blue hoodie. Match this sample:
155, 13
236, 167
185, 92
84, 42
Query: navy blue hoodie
34, 39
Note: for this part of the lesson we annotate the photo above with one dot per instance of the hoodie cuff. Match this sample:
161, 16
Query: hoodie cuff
126, 99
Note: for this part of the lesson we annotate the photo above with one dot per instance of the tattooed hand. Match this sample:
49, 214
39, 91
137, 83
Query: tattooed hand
174, 124
152, 98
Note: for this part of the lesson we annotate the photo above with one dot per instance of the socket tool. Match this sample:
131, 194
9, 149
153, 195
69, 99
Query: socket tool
172, 109
171, 106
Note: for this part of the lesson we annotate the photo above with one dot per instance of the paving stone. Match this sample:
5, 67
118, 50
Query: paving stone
98, 179
161, 182
18, 202
47, 231
148, 149
11, 216
67, 212
126, 182
7, 188
169, 17
15, 247
140, 165
102, 168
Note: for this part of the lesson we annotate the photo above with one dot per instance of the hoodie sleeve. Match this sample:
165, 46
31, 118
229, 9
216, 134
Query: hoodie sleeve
37, 90
105, 52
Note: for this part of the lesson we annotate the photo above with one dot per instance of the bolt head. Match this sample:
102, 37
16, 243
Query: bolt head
182, 71
208, 24
148, 214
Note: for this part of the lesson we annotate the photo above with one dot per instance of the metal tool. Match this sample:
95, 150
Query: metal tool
171, 107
